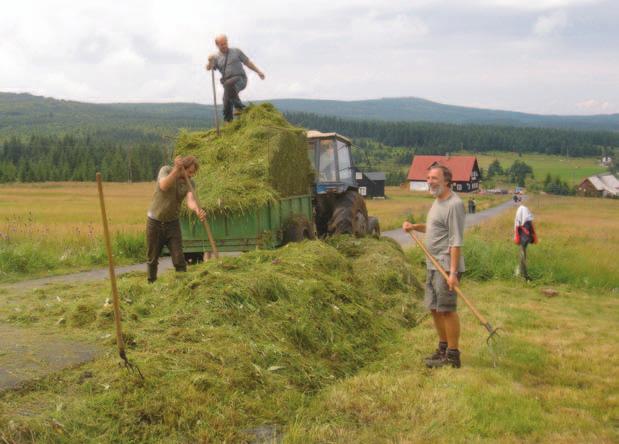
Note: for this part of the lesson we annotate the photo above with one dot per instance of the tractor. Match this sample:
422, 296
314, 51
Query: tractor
338, 206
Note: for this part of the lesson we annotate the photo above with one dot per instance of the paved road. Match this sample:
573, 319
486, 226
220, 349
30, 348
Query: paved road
83, 276
471, 219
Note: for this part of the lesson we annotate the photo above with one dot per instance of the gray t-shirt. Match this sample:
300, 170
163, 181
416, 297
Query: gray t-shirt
166, 205
445, 229
234, 65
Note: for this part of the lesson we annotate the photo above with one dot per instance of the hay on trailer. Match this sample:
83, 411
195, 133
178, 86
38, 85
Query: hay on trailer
258, 158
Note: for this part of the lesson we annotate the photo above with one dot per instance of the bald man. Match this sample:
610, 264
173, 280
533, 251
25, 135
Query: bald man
229, 62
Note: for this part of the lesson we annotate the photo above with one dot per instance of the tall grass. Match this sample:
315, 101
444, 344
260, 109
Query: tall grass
576, 237
31, 257
56, 227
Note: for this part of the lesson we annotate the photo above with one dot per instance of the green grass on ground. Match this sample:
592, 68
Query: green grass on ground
556, 378
318, 344
572, 170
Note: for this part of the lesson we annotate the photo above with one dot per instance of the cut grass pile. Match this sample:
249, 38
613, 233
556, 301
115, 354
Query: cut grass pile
258, 158
228, 346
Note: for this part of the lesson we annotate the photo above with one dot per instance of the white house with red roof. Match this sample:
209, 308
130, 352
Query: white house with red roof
464, 170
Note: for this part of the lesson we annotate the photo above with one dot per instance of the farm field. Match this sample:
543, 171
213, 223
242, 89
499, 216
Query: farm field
555, 380
54, 228
571, 170
401, 204
51, 228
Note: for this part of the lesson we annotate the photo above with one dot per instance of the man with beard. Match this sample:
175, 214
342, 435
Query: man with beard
444, 230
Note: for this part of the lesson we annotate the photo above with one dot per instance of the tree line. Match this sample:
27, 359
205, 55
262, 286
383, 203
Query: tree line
441, 138
78, 158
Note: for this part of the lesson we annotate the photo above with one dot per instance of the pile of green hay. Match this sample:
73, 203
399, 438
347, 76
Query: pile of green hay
226, 347
256, 159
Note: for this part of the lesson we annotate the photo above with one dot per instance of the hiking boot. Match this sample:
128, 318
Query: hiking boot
238, 111
438, 354
452, 358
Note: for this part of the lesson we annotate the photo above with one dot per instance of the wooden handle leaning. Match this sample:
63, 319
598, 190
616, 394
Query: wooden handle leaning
108, 247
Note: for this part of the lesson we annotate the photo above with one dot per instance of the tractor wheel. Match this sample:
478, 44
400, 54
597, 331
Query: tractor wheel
350, 215
373, 227
297, 229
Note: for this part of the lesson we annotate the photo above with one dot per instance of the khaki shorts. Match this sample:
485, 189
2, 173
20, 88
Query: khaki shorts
438, 296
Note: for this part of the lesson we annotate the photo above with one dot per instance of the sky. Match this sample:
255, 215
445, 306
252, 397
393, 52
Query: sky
537, 56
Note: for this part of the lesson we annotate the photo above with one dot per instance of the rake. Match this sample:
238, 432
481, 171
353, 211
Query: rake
108, 246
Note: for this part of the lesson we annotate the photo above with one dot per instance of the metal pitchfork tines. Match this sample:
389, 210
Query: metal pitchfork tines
493, 332
115, 299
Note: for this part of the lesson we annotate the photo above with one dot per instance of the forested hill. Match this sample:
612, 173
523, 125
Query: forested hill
24, 113
411, 109
45, 139
440, 138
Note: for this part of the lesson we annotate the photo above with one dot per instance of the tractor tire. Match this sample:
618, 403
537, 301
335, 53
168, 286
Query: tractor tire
350, 215
373, 227
298, 229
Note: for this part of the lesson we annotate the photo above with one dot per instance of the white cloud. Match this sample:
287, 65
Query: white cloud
537, 5
550, 23
453, 50
592, 105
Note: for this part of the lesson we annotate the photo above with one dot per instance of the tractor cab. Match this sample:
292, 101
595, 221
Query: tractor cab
331, 158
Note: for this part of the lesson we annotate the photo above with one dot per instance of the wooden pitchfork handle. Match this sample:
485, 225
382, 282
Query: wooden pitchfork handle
115, 299
204, 222
215, 100
438, 266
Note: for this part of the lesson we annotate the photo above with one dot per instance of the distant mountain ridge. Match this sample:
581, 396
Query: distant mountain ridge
411, 109
28, 112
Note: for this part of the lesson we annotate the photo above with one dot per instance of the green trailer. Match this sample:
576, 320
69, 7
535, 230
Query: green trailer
289, 219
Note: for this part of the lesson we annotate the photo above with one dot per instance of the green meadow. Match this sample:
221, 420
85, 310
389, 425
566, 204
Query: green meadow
324, 342
570, 169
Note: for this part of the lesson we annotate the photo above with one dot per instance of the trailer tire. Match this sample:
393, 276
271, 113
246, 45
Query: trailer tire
194, 258
298, 229
373, 227
350, 215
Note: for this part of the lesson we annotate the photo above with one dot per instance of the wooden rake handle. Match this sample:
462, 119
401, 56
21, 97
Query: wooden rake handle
204, 222
108, 247
441, 270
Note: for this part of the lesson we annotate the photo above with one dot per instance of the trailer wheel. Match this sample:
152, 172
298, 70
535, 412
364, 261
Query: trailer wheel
373, 227
298, 229
350, 215
194, 258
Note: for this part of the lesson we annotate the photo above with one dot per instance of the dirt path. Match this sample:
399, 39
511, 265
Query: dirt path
27, 354
471, 219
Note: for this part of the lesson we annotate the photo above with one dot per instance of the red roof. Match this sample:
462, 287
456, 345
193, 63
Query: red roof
461, 166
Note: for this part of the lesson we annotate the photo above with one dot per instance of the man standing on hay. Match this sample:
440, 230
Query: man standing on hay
163, 227
229, 62
444, 230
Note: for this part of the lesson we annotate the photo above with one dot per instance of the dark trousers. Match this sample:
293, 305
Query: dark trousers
232, 87
158, 235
